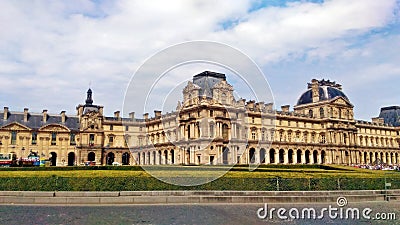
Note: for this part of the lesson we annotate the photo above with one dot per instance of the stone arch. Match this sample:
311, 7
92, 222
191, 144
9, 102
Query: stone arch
323, 156
71, 159
298, 154
281, 156
365, 157
166, 156
392, 160
148, 158
262, 155
347, 157
225, 154
53, 159
110, 158
125, 158
92, 156
290, 156
315, 156
187, 157
252, 155
272, 155
172, 156
307, 157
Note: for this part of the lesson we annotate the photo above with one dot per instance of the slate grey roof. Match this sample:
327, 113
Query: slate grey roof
35, 121
391, 115
206, 81
325, 93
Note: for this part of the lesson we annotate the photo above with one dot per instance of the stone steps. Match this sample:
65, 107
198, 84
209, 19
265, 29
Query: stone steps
193, 197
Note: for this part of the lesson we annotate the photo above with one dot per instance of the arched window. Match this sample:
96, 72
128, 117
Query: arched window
310, 113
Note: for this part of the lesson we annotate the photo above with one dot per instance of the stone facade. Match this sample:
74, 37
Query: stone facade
209, 127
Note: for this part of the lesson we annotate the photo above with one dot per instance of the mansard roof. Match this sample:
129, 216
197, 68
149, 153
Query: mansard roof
35, 120
206, 81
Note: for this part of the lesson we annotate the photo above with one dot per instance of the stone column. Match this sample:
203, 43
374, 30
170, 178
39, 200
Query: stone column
285, 156
319, 161
267, 158
303, 157
294, 156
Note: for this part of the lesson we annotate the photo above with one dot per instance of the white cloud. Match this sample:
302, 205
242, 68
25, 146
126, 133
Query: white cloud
53, 46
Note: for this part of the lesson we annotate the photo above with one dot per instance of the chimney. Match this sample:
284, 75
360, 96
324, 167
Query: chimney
315, 90
146, 116
250, 105
116, 114
132, 116
44, 115
26, 115
5, 113
157, 114
378, 120
285, 108
269, 106
62, 116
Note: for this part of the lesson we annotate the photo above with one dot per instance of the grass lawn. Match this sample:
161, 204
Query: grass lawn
241, 171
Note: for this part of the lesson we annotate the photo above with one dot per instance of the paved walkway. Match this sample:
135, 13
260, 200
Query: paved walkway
176, 214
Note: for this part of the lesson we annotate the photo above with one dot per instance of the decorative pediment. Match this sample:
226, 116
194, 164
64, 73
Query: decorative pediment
55, 128
341, 101
190, 87
15, 126
223, 85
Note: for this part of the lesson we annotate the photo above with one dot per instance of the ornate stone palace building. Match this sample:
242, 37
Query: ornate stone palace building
210, 127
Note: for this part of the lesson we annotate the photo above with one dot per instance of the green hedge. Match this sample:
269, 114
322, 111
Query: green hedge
55, 183
194, 167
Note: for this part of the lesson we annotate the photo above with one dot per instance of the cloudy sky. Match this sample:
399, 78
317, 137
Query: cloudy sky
51, 51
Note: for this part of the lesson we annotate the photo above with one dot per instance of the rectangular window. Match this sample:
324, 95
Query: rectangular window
34, 138
53, 138
72, 139
111, 127
126, 128
91, 139
211, 130
111, 140
13, 137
